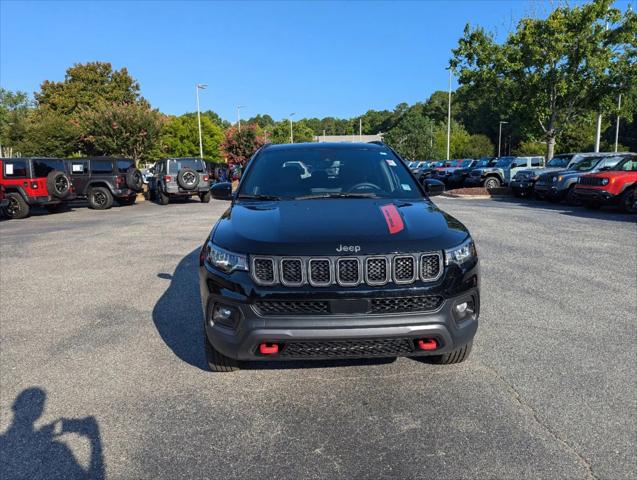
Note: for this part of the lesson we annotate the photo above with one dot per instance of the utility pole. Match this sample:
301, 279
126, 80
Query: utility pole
449, 115
619, 107
199, 86
500, 137
291, 131
598, 133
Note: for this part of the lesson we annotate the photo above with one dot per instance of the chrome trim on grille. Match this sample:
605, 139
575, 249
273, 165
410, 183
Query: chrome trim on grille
330, 269
415, 271
275, 273
376, 283
359, 276
440, 266
282, 275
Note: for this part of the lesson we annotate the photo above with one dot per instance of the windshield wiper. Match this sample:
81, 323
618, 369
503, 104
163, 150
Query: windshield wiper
258, 197
337, 195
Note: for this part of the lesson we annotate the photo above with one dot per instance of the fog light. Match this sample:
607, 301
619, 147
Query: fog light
462, 307
224, 315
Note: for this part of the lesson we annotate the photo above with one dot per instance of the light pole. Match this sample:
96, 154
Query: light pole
239, 107
500, 136
199, 86
291, 131
619, 107
449, 114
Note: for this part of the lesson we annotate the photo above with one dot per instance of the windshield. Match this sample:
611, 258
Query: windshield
483, 163
559, 162
504, 162
629, 164
363, 171
466, 163
586, 164
193, 163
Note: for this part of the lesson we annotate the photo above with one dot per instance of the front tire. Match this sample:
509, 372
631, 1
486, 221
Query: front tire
218, 362
17, 207
627, 201
491, 182
458, 355
100, 198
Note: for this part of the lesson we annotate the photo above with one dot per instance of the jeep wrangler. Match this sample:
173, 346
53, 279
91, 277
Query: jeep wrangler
352, 261
179, 178
34, 181
103, 179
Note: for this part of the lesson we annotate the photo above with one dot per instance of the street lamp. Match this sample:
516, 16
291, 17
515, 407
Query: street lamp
500, 136
239, 107
450, 68
619, 108
199, 86
291, 131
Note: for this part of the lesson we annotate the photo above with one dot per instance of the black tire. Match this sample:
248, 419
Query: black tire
55, 208
127, 200
135, 180
100, 198
571, 197
188, 179
591, 205
58, 184
627, 201
205, 197
17, 207
458, 355
162, 198
492, 182
218, 362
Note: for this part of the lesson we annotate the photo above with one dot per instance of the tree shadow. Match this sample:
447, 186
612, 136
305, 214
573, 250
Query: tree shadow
178, 317
28, 452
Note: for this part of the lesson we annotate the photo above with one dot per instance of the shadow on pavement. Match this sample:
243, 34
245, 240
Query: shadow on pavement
178, 317
41, 453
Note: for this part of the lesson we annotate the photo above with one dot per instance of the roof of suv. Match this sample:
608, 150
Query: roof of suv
335, 145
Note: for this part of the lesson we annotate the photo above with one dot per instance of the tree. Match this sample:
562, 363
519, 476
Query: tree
413, 135
14, 110
130, 130
180, 137
239, 146
49, 134
85, 86
550, 72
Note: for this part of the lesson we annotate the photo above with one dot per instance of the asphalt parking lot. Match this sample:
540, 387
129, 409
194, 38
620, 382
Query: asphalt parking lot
100, 327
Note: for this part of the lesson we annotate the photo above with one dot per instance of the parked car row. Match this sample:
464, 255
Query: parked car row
53, 182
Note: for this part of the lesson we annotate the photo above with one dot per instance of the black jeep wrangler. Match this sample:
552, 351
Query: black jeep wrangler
180, 178
352, 260
103, 179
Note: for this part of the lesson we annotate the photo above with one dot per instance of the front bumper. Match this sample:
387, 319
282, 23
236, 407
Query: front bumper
450, 328
550, 191
595, 195
524, 187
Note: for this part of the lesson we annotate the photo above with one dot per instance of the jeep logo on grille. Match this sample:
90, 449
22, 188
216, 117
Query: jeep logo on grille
349, 248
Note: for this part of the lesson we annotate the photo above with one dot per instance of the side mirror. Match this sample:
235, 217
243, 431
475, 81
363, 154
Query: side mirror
222, 191
433, 187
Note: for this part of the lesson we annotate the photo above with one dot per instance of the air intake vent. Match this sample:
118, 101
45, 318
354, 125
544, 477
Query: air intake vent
263, 271
348, 271
404, 269
292, 272
320, 272
430, 266
376, 270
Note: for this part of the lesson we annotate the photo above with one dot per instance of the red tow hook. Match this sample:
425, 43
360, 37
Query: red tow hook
268, 348
427, 344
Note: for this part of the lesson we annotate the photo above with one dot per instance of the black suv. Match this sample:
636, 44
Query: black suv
353, 260
103, 179
181, 178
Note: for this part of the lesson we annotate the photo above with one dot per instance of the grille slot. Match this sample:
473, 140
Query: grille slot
292, 307
376, 270
382, 347
404, 269
426, 303
430, 267
263, 271
292, 272
593, 181
320, 272
348, 271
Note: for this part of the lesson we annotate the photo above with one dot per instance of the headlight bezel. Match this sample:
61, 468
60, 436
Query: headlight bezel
225, 260
605, 181
461, 254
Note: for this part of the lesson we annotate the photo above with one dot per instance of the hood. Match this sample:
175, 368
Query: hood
487, 170
539, 171
325, 226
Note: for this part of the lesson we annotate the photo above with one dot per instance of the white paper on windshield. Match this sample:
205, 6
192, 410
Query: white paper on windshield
78, 167
405, 187
390, 162
8, 169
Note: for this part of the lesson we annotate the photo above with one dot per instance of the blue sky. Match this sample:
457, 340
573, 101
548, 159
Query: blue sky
313, 58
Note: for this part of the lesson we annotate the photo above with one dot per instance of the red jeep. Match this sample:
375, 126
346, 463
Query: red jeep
35, 181
610, 186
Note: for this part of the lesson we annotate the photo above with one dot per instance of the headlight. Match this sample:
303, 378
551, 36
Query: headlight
462, 253
604, 181
225, 260
554, 179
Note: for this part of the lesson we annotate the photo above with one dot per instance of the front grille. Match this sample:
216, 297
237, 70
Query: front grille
348, 271
593, 181
263, 270
404, 269
293, 307
292, 271
426, 303
382, 347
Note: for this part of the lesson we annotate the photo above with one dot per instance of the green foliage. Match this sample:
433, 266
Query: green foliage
129, 130
49, 134
413, 135
281, 132
14, 110
530, 147
180, 137
239, 146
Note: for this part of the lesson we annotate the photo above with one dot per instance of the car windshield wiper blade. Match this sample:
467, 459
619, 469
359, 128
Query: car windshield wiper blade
258, 197
337, 195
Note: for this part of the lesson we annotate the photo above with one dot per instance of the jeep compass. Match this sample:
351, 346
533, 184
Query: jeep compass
352, 260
